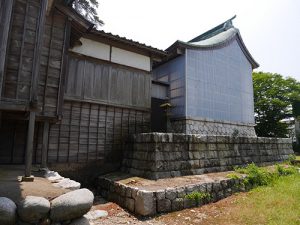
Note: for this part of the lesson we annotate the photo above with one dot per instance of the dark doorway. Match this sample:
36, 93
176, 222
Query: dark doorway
12, 141
158, 116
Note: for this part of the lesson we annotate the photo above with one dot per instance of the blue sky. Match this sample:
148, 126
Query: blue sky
270, 29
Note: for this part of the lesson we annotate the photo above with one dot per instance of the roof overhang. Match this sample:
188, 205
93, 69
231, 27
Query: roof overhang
127, 44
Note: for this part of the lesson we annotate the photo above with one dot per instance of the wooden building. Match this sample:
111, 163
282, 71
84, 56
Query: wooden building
69, 93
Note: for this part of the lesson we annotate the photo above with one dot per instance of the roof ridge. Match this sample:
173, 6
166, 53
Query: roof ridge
214, 31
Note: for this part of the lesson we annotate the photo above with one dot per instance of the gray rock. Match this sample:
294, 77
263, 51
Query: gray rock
129, 204
71, 205
96, 214
177, 204
171, 194
33, 208
145, 203
161, 194
7, 211
66, 183
163, 205
80, 221
189, 203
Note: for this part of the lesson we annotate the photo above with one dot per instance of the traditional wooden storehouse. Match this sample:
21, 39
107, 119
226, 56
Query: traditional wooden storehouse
210, 78
68, 93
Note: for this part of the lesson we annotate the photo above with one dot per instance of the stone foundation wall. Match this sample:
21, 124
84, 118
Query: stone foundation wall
151, 202
211, 127
162, 155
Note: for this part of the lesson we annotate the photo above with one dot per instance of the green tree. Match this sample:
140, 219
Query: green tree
88, 8
273, 98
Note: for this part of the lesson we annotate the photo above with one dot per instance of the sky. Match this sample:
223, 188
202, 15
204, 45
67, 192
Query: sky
269, 28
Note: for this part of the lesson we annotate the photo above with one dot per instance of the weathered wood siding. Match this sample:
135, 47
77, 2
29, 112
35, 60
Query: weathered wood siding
18, 80
108, 83
91, 132
52, 64
5, 17
104, 103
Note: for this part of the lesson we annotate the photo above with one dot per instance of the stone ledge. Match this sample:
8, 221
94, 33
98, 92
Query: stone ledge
147, 197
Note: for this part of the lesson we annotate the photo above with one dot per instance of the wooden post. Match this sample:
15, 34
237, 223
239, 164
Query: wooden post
37, 53
29, 145
5, 17
45, 144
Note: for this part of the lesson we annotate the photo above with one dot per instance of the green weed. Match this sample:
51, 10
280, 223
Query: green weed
199, 197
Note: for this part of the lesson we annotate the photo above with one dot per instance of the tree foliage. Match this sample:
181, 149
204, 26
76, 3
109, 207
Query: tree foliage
273, 99
88, 8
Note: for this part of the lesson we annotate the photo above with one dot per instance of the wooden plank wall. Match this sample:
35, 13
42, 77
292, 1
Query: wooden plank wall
109, 83
20, 55
19, 66
104, 103
51, 70
5, 17
90, 131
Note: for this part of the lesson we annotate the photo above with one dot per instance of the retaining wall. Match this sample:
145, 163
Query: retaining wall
147, 201
162, 155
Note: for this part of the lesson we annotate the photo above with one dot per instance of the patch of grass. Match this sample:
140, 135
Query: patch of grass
256, 176
283, 170
271, 205
292, 157
198, 196
260, 176
298, 157
233, 176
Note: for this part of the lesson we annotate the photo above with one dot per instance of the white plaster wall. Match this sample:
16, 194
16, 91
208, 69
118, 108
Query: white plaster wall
131, 59
219, 84
93, 48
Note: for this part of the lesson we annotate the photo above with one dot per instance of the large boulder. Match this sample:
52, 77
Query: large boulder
80, 221
7, 211
71, 205
32, 209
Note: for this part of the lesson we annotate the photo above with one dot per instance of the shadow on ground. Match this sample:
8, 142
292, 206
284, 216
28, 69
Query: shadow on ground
11, 186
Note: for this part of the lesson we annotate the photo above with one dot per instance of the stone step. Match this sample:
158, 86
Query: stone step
146, 197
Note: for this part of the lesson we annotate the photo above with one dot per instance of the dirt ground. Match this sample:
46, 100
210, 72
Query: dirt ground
11, 187
211, 214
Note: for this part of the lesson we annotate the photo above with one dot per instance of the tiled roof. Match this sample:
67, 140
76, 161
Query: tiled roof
217, 37
125, 40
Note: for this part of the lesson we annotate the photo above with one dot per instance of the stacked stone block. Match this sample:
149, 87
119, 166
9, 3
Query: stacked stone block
162, 155
151, 202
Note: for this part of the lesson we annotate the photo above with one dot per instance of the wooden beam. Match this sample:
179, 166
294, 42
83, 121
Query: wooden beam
49, 6
29, 144
45, 144
64, 68
37, 53
5, 17
6, 106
